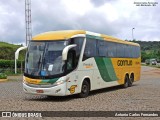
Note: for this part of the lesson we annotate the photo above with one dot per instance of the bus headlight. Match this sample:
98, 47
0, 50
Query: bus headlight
61, 81
24, 80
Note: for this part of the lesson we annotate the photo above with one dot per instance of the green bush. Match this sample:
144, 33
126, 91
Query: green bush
10, 64
7, 51
3, 76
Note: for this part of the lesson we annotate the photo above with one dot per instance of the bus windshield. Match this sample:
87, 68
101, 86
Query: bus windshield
45, 58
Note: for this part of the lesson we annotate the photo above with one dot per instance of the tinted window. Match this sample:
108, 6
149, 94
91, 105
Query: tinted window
90, 48
137, 51
120, 50
127, 51
112, 52
132, 52
77, 49
102, 49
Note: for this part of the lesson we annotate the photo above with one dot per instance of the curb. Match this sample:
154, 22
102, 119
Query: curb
3, 80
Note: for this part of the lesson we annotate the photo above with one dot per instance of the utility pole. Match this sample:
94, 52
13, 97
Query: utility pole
28, 21
132, 33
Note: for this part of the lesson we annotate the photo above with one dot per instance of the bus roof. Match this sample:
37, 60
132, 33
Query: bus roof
58, 35
66, 34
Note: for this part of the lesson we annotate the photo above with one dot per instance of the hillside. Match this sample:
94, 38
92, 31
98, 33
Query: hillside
4, 44
149, 45
149, 49
7, 51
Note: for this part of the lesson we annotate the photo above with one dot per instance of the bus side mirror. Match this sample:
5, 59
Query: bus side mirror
65, 51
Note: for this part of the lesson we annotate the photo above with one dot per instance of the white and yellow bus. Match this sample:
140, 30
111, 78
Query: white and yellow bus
61, 63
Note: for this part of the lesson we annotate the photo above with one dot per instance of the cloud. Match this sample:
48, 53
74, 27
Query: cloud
91, 20
12, 21
98, 3
116, 18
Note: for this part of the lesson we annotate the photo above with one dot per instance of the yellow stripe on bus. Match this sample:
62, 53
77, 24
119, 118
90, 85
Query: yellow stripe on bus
32, 81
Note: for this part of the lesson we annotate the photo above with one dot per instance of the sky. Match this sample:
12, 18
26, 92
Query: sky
112, 17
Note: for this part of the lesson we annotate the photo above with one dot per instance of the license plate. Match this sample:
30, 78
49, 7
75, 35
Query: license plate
39, 91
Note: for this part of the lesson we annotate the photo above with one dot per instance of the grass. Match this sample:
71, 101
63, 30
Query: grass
3, 76
158, 66
12, 73
4, 44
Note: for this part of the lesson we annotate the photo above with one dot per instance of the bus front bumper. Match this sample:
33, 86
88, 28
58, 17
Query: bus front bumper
59, 90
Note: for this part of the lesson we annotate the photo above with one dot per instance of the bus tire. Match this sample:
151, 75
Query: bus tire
126, 81
131, 80
84, 89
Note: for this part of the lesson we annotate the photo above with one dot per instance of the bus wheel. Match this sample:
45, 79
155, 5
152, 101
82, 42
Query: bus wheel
84, 90
131, 80
126, 82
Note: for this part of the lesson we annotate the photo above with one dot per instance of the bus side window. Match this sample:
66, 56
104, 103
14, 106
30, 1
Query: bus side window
127, 51
112, 52
79, 42
90, 49
137, 52
102, 49
71, 60
120, 50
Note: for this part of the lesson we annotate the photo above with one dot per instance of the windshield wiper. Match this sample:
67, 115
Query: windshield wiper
39, 62
43, 62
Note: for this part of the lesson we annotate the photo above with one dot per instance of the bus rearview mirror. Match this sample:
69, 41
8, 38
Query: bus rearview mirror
65, 51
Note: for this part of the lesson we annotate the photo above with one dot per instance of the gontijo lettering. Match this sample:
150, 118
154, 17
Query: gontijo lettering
124, 62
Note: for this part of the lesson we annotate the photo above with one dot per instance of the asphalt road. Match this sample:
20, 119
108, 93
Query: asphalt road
144, 95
